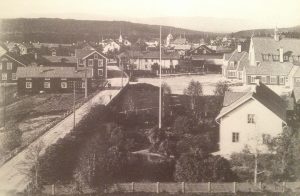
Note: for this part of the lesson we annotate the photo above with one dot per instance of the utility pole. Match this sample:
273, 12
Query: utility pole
74, 96
85, 83
4, 104
159, 120
255, 168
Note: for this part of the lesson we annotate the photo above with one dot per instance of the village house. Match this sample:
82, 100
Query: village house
52, 79
8, 67
243, 119
147, 60
233, 66
273, 60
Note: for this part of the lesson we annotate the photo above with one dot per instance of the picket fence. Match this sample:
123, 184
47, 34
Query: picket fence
180, 187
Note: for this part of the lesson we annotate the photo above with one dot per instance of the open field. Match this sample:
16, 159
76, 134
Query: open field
209, 81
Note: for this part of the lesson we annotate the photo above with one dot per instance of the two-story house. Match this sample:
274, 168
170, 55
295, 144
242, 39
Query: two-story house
250, 119
272, 60
8, 67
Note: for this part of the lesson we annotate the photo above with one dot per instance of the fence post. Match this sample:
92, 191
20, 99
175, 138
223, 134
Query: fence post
183, 187
132, 187
53, 189
283, 186
209, 187
234, 187
157, 187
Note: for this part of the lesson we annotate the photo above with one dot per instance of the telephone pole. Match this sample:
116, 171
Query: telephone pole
159, 120
74, 96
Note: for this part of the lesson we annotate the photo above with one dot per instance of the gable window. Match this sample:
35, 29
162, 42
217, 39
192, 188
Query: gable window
63, 84
273, 79
28, 84
100, 62
46, 84
251, 118
95, 56
80, 61
14, 76
90, 62
9, 65
4, 76
100, 72
235, 137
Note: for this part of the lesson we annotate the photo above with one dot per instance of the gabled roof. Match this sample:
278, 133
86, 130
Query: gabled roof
52, 72
151, 54
270, 68
82, 53
268, 45
60, 59
262, 94
14, 58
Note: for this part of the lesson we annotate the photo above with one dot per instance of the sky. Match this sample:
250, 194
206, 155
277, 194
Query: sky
259, 13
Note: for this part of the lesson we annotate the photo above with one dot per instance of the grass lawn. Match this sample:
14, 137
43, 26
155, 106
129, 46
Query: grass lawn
31, 114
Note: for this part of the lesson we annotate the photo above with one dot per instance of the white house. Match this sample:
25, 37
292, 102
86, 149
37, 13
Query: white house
250, 119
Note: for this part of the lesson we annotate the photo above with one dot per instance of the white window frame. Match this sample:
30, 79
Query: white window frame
90, 62
14, 76
9, 66
46, 86
28, 84
251, 118
101, 72
235, 137
273, 77
100, 64
64, 85
4, 76
47, 79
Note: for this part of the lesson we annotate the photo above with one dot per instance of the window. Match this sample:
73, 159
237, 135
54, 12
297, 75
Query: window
14, 76
281, 80
273, 80
235, 137
47, 78
63, 84
4, 76
100, 72
266, 57
90, 62
95, 56
9, 65
46, 84
266, 138
28, 84
275, 57
251, 118
252, 79
0, 66
297, 80
100, 62
146, 60
231, 73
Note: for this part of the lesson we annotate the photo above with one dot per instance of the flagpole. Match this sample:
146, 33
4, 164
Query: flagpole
159, 120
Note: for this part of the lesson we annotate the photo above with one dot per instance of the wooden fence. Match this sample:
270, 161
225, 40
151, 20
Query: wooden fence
180, 187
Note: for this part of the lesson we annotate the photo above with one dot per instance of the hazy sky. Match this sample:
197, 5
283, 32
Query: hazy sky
282, 13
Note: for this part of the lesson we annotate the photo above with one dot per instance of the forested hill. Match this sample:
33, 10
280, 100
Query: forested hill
292, 32
69, 30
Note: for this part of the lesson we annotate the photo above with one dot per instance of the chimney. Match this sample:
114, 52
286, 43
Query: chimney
239, 48
281, 55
